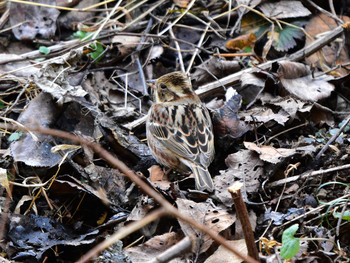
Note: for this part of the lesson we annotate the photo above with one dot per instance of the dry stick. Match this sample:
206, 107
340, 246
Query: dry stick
36, 53
331, 6
285, 131
4, 18
76, 43
116, 163
212, 29
325, 11
121, 233
178, 249
138, 48
106, 20
231, 55
181, 62
334, 137
127, 12
305, 52
178, 19
154, 6
16, 101
307, 174
196, 50
241, 209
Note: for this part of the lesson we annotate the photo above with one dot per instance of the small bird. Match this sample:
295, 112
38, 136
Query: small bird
179, 129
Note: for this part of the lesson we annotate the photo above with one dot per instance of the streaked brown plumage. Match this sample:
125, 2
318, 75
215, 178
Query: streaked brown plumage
179, 129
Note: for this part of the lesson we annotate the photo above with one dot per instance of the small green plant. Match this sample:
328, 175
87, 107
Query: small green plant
334, 203
283, 36
15, 136
290, 244
97, 47
44, 50
346, 215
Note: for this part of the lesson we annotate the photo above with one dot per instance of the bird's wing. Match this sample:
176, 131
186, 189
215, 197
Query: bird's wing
184, 129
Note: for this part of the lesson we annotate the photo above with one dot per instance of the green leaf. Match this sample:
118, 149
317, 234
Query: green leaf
346, 215
290, 244
98, 50
2, 105
40, 59
15, 136
287, 36
247, 49
79, 34
44, 50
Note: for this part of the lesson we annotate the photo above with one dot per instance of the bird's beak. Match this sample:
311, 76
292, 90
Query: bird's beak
152, 84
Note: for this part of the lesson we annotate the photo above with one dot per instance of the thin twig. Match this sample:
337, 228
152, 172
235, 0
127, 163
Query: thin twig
312, 211
331, 140
210, 26
285, 131
179, 249
138, 48
196, 50
177, 19
286, 172
4, 18
325, 11
106, 20
307, 175
122, 233
154, 6
16, 101
20, 126
181, 62
340, 219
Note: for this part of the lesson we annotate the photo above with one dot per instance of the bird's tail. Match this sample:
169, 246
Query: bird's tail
203, 179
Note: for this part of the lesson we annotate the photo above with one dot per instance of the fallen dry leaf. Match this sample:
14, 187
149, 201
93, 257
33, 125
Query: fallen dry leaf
284, 9
297, 80
29, 21
269, 153
158, 178
153, 247
241, 42
328, 57
264, 115
217, 219
222, 255
244, 166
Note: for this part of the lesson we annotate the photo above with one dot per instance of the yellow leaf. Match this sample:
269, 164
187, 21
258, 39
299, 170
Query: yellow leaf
241, 42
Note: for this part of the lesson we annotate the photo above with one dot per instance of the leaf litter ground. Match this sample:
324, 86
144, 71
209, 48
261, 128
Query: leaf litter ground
280, 122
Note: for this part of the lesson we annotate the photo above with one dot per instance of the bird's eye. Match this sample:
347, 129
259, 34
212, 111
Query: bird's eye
163, 86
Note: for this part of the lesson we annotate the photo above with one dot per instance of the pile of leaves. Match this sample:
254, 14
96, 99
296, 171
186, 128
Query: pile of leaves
77, 179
